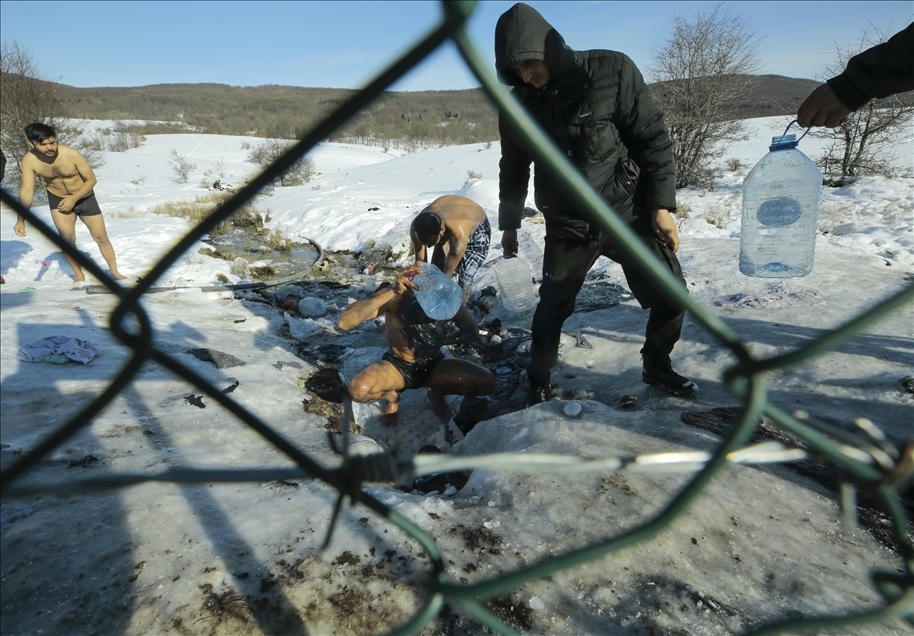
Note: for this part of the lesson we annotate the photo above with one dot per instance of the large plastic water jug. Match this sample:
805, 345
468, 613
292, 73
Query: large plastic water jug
438, 295
780, 213
515, 283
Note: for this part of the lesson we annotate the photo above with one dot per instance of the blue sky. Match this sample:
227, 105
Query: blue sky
344, 44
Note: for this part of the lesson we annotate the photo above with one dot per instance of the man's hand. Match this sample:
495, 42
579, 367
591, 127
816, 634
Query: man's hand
19, 228
822, 108
509, 242
404, 279
664, 226
67, 204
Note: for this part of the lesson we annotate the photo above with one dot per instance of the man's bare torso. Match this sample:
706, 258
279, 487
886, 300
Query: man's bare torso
60, 174
409, 340
460, 215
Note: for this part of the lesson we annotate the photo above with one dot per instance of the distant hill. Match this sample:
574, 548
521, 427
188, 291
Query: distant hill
774, 95
434, 117
426, 117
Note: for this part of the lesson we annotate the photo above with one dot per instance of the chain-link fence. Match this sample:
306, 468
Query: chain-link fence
869, 458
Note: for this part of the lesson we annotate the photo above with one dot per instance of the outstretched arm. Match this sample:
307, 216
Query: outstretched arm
822, 108
26, 193
365, 309
376, 304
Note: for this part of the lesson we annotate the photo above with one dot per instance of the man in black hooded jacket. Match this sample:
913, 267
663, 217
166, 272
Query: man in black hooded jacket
598, 110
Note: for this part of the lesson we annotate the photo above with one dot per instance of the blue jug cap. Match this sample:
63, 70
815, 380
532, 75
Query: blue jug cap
784, 142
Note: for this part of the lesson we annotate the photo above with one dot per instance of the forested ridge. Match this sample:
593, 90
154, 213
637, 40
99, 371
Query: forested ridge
430, 118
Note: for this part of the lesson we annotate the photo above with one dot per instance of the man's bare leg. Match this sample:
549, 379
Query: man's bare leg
457, 377
391, 411
66, 227
439, 404
379, 381
96, 225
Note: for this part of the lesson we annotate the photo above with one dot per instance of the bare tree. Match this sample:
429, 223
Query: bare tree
704, 70
181, 166
863, 144
272, 149
26, 97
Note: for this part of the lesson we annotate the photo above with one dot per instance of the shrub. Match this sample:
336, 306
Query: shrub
248, 216
472, 175
277, 241
240, 267
181, 166
270, 150
717, 217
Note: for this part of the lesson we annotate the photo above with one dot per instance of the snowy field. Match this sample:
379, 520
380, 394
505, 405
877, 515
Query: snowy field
760, 544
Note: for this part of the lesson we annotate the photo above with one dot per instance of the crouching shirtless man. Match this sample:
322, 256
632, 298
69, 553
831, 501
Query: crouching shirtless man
414, 359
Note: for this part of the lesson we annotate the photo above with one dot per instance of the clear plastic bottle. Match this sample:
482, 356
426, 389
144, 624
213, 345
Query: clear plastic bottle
438, 295
515, 283
780, 213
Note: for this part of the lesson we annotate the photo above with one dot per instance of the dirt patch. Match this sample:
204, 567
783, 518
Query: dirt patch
346, 558
482, 539
327, 392
326, 384
869, 510
228, 605
513, 611
85, 462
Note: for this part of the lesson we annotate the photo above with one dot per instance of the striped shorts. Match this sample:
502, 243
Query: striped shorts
475, 254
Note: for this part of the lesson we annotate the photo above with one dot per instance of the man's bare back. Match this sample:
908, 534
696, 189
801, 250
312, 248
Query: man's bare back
461, 220
459, 214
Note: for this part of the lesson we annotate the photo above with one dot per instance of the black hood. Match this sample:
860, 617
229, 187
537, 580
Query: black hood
521, 33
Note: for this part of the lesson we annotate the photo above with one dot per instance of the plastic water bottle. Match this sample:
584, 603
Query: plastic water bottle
515, 283
780, 213
438, 295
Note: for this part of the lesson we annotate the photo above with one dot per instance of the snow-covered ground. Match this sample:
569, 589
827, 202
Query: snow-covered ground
760, 544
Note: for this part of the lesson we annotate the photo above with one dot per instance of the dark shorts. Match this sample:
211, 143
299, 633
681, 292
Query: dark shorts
475, 254
415, 374
87, 206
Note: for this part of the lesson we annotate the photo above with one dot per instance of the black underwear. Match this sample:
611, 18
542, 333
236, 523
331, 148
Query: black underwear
87, 206
415, 374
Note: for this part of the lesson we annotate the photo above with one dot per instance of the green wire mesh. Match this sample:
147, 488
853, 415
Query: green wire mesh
875, 464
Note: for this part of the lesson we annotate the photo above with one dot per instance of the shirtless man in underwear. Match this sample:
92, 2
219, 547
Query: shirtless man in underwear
414, 359
459, 231
69, 181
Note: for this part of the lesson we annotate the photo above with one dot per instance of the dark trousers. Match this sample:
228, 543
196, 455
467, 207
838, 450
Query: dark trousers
565, 266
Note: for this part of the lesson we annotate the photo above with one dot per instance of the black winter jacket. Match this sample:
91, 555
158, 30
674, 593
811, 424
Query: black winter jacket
604, 119
879, 71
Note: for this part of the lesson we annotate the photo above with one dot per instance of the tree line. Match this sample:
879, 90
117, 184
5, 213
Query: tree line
288, 112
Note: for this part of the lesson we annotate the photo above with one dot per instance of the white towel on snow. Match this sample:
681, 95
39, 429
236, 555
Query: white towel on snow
73, 348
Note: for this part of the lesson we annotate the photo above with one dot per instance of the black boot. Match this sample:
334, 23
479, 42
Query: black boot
661, 374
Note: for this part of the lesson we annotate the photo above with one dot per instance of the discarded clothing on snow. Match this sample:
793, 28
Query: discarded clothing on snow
73, 348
